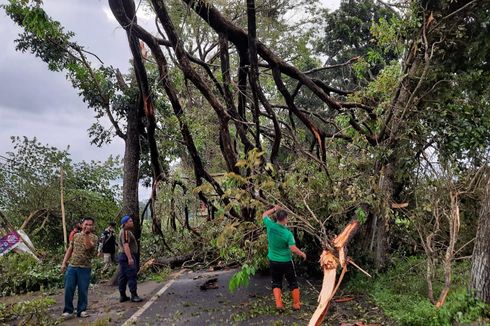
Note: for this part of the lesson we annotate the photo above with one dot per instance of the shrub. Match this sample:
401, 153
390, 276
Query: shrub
21, 273
402, 294
28, 313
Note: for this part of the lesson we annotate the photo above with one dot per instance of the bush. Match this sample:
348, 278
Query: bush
28, 313
402, 294
21, 273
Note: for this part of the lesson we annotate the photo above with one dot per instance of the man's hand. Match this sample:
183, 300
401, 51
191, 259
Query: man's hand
303, 255
130, 261
295, 250
271, 211
89, 244
63, 268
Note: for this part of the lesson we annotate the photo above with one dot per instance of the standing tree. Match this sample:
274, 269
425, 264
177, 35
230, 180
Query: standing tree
480, 264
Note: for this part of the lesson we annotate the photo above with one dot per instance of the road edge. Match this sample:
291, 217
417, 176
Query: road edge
134, 318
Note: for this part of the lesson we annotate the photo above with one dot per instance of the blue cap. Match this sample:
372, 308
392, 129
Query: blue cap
125, 219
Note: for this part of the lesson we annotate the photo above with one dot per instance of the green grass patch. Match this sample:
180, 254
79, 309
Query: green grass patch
161, 275
402, 294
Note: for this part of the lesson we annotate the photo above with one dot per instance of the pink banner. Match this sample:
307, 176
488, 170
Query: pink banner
9, 242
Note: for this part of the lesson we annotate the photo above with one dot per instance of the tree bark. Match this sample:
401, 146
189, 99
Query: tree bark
254, 70
382, 220
131, 169
480, 265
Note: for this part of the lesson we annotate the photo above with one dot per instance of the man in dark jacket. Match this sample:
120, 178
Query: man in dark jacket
107, 245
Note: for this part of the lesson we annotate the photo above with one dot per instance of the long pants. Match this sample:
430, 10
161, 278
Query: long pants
281, 269
109, 259
128, 273
76, 277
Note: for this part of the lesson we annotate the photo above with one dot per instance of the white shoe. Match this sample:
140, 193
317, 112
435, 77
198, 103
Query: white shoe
66, 315
84, 314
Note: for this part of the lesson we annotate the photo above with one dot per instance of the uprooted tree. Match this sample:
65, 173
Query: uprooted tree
253, 92
259, 99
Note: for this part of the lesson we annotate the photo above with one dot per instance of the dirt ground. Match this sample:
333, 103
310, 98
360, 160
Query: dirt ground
184, 303
103, 308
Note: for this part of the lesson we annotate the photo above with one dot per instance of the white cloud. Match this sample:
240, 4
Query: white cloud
108, 13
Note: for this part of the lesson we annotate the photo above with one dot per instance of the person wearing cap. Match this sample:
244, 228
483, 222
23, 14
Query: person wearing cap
281, 245
76, 229
128, 261
77, 268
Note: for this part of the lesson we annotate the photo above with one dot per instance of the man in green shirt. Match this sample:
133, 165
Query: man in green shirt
281, 245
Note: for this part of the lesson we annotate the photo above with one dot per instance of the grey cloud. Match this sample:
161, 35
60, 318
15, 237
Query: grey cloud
59, 128
37, 102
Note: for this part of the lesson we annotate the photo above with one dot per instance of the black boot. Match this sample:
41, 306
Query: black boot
134, 297
123, 297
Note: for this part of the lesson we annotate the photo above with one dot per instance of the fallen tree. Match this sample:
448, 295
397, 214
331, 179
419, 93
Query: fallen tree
330, 259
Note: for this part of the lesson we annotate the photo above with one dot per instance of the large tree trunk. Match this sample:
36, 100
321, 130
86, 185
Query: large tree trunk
131, 169
480, 265
379, 240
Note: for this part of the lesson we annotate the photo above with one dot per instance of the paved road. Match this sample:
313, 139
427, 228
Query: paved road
184, 303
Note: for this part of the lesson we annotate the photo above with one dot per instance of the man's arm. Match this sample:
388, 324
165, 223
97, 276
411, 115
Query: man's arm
270, 211
295, 250
126, 249
67, 257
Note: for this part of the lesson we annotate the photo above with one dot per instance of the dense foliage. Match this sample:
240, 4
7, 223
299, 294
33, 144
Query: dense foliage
30, 190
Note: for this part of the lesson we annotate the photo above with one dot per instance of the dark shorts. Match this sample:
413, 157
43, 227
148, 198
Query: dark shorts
281, 269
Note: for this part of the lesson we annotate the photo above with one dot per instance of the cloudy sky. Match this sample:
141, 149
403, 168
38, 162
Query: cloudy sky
36, 102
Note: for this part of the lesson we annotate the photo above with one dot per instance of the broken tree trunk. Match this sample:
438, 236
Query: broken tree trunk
329, 263
171, 262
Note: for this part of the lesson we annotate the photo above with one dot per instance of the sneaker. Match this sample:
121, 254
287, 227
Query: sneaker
66, 315
123, 299
135, 298
83, 314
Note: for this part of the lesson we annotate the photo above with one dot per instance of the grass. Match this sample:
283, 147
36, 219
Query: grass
402, 294
159, 276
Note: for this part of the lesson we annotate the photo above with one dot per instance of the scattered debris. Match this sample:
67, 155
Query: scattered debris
344, 299
210, 284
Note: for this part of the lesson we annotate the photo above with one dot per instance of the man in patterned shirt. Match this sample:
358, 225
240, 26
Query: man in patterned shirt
79, 255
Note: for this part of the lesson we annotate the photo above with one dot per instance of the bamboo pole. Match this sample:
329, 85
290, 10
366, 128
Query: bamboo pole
63, 208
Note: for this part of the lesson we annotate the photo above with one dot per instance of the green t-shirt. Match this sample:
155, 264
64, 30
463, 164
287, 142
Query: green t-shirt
279, 240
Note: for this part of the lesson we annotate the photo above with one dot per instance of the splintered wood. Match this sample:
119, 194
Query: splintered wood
329, 263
